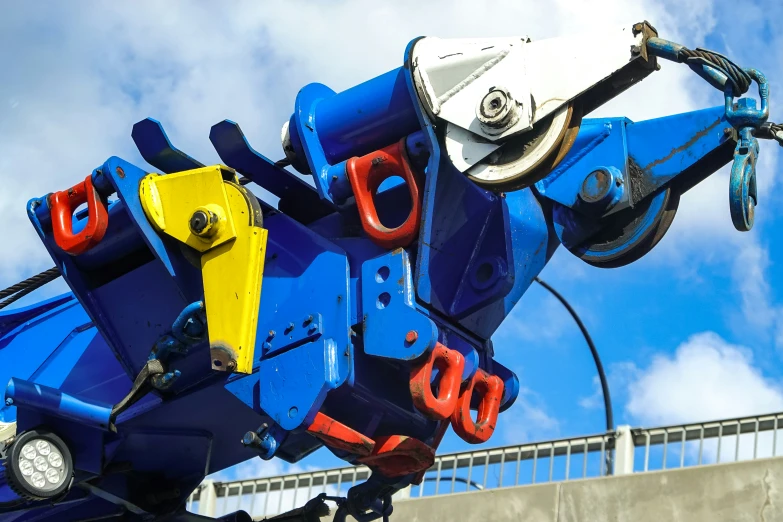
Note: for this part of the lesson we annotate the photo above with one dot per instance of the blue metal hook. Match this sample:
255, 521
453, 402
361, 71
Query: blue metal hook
746, 118
743, 196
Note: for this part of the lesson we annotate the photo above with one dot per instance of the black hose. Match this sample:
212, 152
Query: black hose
609, 413
19, 290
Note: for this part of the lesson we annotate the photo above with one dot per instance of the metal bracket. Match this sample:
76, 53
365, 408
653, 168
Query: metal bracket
393, 328
156, 148
206, 210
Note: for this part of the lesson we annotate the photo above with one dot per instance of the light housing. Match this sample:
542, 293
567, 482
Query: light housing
39, 465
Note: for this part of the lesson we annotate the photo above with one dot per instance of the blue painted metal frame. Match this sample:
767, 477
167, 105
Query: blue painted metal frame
389, 312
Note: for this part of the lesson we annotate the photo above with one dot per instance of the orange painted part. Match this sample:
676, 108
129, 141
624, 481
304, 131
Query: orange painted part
490, 389
62, 206
398, 455
366, 174
337, 435
451, 364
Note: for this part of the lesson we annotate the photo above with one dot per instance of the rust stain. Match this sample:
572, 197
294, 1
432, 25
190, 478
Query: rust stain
696, 137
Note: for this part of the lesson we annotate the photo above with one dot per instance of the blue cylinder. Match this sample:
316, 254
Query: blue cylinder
53, 402
366, 117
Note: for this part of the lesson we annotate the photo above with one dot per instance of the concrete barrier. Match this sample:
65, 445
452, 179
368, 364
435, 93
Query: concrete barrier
736, 492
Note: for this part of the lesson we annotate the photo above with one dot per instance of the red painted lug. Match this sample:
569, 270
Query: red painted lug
366, 175
62, 206
450, 364
337, 435
398, 455
490, 390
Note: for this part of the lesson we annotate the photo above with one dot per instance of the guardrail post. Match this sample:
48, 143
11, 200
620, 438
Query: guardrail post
207, 502
624, 451
404, 493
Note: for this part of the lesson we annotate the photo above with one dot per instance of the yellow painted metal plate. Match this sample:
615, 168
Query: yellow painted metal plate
232, 275
169, 202
232, 260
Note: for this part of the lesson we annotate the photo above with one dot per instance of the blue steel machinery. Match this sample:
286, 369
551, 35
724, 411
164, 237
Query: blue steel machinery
437, 193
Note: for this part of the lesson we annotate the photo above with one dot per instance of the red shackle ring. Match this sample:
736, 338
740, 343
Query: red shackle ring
451, 364
490, 388
62, 206
366, 174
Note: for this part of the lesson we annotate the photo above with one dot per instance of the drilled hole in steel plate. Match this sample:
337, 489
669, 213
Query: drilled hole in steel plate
484, 272
383, 300
217, 362
382, 274
293, 411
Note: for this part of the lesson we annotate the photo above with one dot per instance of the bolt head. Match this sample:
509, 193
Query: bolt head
411, 336
9, 401
497, 111
198, 221
203, 223
250, 439
596, 186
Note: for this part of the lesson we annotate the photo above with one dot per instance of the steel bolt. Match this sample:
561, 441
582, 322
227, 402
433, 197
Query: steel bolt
411, 336
271, 334
308, 320
9, 401
251, 439
203, 222
497, 111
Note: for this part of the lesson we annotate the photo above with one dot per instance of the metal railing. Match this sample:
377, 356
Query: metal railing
623, 452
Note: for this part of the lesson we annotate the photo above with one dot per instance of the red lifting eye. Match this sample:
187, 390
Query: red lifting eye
63, 204
450, 363
490, 390
366, 175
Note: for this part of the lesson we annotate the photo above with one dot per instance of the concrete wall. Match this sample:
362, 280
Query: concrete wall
737, 492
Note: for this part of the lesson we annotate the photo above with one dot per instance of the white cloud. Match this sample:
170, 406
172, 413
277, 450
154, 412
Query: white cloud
705, 379
528, 420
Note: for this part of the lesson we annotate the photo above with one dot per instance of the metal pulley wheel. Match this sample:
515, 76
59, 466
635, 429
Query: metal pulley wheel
630, 233
528, 157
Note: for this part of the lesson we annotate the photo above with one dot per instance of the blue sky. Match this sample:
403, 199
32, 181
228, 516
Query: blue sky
694, 331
